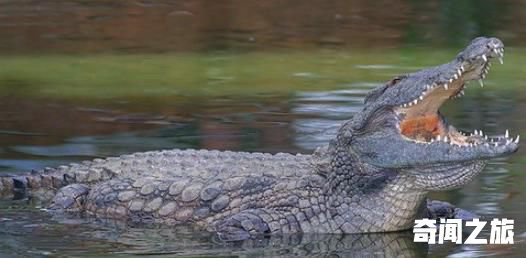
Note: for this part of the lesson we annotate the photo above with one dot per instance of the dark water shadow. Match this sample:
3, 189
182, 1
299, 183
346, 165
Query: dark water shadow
166, 242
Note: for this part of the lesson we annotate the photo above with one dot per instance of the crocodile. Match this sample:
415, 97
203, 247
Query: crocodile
373, 176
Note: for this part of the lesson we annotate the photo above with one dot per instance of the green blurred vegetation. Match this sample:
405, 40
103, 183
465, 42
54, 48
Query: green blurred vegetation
213, 74
453, 22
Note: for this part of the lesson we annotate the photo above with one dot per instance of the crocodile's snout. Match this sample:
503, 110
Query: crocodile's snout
480, 49
419, 117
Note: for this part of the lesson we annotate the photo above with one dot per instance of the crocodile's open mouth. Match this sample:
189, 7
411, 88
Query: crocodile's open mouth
420, 120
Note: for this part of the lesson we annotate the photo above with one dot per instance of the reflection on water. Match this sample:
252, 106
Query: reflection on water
343, 49
324, 113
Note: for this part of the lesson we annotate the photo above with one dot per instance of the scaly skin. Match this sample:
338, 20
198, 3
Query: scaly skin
223, 191
373, 177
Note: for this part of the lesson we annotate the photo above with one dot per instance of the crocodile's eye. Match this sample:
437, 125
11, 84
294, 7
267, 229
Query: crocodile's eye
394, 81
377, 92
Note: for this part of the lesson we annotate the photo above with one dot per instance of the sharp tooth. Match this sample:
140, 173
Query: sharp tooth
496, 144
508, 141
501, 60
462, 92
517, 139
455, 76
421, 98
446, 87
438, 138
415, 101
462, 68
476, 132
485, 137
445, 139
450, 80
481, 83
481, 133
507, 135
459, 72
495, 51
484, 58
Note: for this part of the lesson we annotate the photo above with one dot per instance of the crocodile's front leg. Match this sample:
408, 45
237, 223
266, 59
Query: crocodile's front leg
440, 209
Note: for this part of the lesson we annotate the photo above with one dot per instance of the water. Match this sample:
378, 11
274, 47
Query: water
118, 79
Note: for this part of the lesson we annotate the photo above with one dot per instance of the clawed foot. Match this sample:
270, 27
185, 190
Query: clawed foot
439, 209
241, 226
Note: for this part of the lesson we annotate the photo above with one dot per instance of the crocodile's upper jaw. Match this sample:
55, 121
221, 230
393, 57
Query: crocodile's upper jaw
419, 119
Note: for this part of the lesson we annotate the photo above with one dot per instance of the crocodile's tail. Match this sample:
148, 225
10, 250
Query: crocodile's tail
21, 185
6, 186
87, 172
